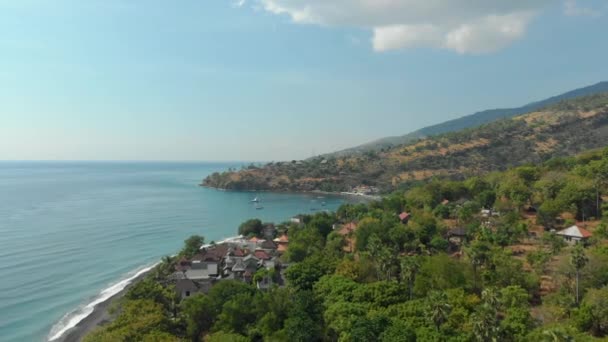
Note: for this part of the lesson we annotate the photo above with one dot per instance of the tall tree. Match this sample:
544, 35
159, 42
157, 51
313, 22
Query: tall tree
439, 308
192, 245
578, 260
409, 268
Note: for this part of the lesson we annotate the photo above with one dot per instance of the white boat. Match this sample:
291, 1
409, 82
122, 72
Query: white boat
255, 200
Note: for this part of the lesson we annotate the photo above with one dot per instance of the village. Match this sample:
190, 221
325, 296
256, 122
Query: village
238, 258
258, 260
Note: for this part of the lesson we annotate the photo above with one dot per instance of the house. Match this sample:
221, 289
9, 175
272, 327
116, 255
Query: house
251, 263
255, 239
489, 213
206, 271
268, 246
457, 235
238, 269
404, 217
261, 254
574, 234
186, 288
282, 243
183, 265
297, 219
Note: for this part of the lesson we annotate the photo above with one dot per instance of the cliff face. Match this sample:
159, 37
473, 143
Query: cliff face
562, 129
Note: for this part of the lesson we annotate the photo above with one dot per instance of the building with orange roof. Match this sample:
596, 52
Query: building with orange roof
282, 243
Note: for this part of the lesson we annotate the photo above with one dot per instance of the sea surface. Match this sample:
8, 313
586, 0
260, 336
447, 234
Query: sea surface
73, 233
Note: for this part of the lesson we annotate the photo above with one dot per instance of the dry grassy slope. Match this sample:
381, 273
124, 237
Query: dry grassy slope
563, 129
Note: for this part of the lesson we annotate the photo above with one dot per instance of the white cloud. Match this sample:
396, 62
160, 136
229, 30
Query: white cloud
573, 8
239, 3
464, 26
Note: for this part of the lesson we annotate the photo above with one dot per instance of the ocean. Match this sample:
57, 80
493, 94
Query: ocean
73, 233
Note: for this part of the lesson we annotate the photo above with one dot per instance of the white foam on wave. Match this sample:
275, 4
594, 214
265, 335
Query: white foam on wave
237, 238
71, 319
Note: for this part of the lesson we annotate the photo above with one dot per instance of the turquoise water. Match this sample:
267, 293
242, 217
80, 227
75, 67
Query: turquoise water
70, 232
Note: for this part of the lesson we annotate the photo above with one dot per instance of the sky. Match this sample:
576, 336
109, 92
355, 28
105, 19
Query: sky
262, 80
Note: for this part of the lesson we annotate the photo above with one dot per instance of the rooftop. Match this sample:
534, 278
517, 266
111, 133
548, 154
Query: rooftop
575, 231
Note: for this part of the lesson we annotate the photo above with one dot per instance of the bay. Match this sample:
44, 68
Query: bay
70, 230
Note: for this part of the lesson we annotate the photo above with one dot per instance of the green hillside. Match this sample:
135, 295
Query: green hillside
493, 258
561, 129
470, 121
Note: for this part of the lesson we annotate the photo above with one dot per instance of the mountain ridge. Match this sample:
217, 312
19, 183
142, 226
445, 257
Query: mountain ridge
561, 129
469, 121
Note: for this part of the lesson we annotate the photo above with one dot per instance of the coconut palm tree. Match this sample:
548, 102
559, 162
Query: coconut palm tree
478, 254
439, 309
578, 259
485, 324
490, 296
556, 335
409, 269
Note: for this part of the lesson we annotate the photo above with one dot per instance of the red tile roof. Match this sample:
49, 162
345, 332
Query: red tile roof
404, 216
260, 254
585, 232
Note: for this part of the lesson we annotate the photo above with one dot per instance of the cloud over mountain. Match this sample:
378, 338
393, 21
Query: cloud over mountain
464, 26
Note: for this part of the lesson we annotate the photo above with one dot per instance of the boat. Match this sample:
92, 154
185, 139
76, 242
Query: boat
259, 207
255, 200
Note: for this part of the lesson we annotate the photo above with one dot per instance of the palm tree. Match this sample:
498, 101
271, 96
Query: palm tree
485, 320
409, 268
578, 259
439, 308
556, 335
478, 255
490, 296
485, 324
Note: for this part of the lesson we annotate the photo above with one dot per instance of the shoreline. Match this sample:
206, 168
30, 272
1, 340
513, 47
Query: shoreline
312, 192
99, 316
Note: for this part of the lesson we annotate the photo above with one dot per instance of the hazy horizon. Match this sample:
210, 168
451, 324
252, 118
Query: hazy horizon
276, 80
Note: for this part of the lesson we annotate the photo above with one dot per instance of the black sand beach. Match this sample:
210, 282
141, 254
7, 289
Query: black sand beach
98, 317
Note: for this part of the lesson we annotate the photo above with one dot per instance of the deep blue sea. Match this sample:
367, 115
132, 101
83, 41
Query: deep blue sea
71, 233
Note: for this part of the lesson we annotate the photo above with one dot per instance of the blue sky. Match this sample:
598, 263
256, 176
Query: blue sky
274, 79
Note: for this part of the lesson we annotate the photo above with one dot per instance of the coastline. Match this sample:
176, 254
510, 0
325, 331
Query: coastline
99, 316
345, 194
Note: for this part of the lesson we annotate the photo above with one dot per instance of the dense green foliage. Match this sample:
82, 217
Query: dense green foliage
414, 282
251, 227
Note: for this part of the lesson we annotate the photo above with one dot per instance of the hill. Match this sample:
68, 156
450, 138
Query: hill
503, 257
561, 129
472, 120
